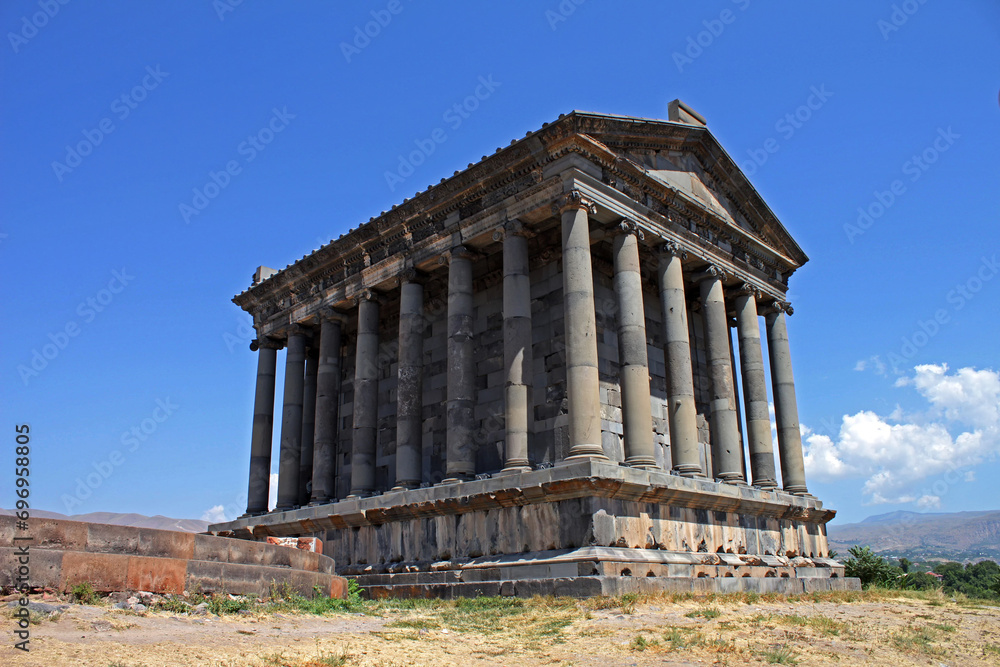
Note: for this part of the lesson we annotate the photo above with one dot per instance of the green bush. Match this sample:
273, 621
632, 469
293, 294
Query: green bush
871, 569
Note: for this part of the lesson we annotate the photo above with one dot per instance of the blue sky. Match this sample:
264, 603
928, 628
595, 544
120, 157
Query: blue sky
114, 115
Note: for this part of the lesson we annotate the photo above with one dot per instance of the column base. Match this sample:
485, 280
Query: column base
587, 452
249, 514
766, 485
514, 470
797, 490
733, 479
689, 471
456, 479
406, 486
321, 501
644, 462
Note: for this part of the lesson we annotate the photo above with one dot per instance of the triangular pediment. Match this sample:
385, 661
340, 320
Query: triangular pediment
685, 157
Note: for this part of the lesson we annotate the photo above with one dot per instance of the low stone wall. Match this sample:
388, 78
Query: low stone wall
118, 558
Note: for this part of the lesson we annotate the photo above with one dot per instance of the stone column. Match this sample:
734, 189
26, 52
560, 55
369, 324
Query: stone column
308, 425
637, 418
291, 421
516, 346
580, 322
681, 414
263, 425
365, 397
754, 390
410, 387
786, 411
327, 405
460, 418
726, 450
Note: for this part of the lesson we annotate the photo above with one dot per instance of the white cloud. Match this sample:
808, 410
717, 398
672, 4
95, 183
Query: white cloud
861, 365
900, 456
927, 502
272, 492
216, 514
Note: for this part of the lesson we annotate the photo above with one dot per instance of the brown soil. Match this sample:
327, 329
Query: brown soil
873, 629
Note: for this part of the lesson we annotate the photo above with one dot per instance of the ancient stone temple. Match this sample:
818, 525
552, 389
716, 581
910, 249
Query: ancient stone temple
545, 374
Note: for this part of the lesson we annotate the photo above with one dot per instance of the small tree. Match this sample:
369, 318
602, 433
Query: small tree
905, 564
871, 569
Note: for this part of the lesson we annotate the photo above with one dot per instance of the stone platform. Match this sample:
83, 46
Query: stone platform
580, 528
110, 558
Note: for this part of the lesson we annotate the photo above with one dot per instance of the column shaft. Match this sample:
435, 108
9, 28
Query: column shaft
365, 398
291, 423
681, 413
410, 387
327, 404
786, 411
461, 447
580, 322
726, 450
308, 428
263, 425
516, 350
637, 418
755, 392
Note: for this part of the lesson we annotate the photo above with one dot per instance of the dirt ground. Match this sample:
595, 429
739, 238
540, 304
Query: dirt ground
857, 629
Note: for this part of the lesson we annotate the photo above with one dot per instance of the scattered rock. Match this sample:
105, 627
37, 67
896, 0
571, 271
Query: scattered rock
101, 626
200, 609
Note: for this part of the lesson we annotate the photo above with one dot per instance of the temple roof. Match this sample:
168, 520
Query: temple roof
678, 156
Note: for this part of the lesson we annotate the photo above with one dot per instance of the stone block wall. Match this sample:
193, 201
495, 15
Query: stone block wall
549, 441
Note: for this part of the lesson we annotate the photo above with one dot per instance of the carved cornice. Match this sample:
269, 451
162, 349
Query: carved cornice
416, 222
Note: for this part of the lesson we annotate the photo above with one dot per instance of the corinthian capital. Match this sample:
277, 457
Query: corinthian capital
630, 227
673, 249
573, 200
266, 343
711, 272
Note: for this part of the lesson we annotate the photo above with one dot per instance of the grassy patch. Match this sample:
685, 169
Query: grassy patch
915, 640
708, 613
678, 638
779, 655
640, 643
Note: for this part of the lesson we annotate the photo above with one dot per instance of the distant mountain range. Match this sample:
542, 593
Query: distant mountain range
135, 520
918, 536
